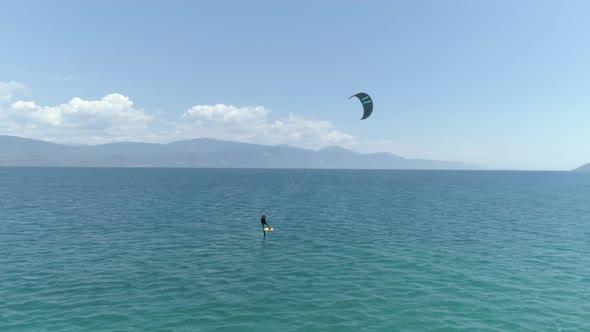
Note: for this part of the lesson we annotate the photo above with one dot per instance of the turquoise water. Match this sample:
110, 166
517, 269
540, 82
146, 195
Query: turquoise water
182, 250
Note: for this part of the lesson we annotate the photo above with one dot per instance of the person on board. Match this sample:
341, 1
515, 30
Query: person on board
263, 222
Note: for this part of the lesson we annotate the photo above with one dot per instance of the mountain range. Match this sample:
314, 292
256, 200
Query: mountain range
202, 152
583, 168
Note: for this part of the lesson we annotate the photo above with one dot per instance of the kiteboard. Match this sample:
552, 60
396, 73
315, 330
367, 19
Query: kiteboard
267, 229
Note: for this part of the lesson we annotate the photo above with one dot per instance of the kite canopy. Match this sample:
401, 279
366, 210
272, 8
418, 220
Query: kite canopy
367, 104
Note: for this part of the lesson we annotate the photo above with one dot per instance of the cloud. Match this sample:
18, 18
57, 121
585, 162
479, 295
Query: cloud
7, 90
221, 113
112, 118
115, 118
252, 124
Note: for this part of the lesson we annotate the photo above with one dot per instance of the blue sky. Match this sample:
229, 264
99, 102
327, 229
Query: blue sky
503, 84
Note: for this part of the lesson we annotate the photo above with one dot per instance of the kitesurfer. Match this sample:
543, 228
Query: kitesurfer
263, 222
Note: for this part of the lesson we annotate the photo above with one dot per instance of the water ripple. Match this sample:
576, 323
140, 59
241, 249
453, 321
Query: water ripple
182, 250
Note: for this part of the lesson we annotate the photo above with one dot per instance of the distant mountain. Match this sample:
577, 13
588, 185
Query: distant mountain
202, 152
29, 152
583, 168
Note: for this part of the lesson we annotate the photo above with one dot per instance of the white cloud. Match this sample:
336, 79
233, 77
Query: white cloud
224, 114
252, 124
7, 90
112, 118
115, 118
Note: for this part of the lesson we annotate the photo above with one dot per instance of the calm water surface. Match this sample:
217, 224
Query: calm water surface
182, 250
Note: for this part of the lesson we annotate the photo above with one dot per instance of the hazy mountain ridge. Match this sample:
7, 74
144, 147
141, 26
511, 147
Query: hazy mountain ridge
202, 152
583, 168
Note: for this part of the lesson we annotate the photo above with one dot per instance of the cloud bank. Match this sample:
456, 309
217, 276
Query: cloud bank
115, 118
252, 124
111, 118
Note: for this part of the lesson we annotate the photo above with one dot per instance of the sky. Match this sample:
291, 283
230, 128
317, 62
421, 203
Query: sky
501, 84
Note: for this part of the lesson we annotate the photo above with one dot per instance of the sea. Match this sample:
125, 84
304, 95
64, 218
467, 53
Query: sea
140, 249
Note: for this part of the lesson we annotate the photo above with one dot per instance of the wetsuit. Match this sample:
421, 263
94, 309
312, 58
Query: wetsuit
263, 222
